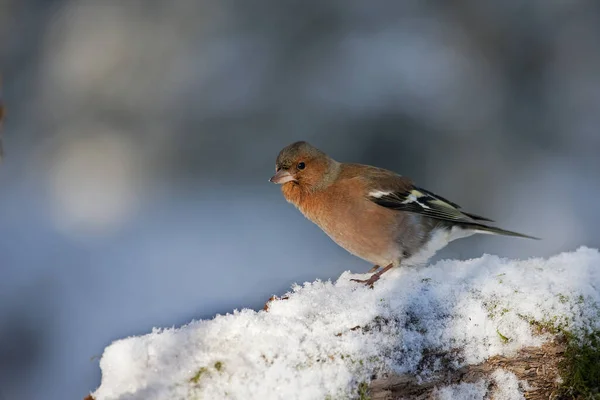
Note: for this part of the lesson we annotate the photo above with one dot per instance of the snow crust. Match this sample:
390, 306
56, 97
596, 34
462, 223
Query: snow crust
328, 338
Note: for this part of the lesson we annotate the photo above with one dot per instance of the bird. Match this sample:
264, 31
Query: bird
373, 213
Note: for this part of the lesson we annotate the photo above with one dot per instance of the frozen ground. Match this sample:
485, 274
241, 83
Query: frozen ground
328, 338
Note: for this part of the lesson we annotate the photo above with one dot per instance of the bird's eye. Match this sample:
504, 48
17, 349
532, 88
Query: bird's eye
301, 165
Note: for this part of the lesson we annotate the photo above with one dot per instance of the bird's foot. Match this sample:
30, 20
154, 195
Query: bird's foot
368, 282
374, 278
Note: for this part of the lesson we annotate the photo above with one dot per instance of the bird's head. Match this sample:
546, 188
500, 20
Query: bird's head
302, 164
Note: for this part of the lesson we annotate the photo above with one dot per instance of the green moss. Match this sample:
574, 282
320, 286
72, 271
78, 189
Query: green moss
203, 370
580, 368
198, 375
552, 325
580, 365
363, 391
502, 337
499, 276
562, 298
491, 308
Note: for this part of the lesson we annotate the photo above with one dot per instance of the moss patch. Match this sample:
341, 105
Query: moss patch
219, 366
363, 391
503, 338
198, 375
580, 368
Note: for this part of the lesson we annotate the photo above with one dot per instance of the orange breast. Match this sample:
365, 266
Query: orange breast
355, 223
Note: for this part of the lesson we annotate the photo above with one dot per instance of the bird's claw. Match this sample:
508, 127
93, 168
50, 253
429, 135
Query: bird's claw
375, 277
367, 282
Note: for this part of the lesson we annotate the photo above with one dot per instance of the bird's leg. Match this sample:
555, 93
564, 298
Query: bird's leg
375, 277
373, 269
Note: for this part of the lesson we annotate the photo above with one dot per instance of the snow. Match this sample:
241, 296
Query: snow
507, 386
329, 337
463, 391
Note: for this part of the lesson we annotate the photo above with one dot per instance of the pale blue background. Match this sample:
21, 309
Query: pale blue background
141, 134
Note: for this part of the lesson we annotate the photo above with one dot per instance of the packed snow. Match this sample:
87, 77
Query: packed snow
328, 338
508, 388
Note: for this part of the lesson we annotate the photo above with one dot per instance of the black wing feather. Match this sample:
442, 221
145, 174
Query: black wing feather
424, 202
473, 216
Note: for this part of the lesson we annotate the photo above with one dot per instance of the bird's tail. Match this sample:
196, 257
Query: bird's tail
498, 231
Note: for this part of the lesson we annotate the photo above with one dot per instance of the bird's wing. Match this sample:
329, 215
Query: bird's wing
396, 192
399, 193
420, 201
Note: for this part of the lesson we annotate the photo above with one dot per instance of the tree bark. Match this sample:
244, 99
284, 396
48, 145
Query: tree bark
538, 366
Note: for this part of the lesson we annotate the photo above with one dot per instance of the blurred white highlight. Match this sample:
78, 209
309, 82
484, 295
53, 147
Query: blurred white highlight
93, 183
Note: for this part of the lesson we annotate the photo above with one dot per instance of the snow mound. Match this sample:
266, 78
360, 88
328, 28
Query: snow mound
328, 340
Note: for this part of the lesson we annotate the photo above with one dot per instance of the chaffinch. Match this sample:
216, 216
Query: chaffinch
371, 212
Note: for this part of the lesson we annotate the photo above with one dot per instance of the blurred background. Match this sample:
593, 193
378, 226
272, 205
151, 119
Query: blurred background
140, 136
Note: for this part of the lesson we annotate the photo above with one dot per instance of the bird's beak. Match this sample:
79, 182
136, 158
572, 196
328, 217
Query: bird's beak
282, 176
